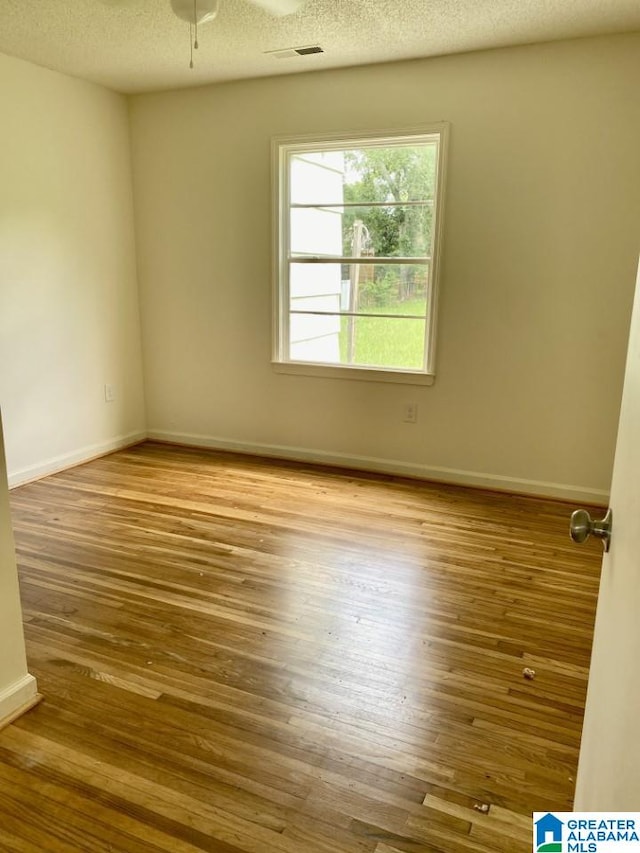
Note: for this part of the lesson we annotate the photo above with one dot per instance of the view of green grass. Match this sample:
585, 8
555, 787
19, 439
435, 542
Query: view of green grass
385, 342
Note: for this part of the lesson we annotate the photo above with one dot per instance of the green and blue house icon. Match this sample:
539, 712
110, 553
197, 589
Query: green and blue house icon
548, 831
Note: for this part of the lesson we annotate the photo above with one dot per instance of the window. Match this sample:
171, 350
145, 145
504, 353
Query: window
357, 227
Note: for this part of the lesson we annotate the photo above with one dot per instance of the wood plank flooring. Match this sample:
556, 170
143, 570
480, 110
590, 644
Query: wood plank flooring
240, 655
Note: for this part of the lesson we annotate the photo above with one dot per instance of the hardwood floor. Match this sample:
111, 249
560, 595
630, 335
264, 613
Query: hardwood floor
244, 655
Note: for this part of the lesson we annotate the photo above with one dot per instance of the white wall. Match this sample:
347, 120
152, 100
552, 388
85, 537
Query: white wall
17, 687
69, 319
540, 241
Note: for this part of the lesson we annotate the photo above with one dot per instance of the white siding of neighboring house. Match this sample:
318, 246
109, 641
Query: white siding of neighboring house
316, 178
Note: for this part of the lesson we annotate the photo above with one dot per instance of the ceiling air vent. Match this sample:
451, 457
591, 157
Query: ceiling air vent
290, 52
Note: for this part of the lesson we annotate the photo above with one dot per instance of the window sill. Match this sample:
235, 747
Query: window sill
366, 374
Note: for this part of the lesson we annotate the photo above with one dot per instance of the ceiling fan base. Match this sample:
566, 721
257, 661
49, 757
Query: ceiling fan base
196, 11
279, 8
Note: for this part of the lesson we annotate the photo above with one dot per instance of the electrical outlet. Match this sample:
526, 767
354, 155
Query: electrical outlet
109, 394
410, 413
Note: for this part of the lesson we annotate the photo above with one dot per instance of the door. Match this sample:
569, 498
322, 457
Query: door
609, 768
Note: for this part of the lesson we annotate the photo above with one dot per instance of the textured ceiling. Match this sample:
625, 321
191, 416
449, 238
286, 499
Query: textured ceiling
139, 45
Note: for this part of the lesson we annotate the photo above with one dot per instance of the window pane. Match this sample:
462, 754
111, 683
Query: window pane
370, 288
366, 231
315, 338
382, 342
316, 177
393, 173
316, 231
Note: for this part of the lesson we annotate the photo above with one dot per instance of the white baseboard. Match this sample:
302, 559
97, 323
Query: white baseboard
583, 494
68, 460
20, 694
564, 491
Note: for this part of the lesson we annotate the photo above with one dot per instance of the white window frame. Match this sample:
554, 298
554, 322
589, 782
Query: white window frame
282, 147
